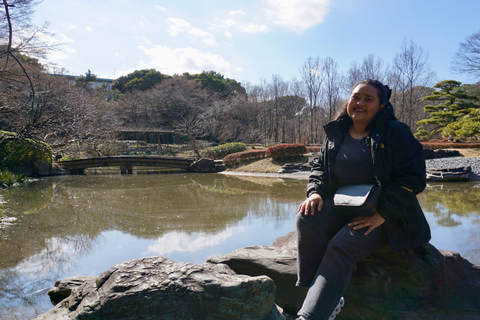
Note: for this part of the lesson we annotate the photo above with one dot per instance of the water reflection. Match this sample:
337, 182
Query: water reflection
83, 225
449, 201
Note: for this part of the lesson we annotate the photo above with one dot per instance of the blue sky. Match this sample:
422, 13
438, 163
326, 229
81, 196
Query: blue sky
250, 40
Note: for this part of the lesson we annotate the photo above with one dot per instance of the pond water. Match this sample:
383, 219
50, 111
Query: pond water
82, 225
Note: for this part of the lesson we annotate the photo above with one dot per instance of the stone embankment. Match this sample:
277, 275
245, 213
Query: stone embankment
258, 283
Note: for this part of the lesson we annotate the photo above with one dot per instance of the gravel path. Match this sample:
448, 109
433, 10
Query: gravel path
454, 162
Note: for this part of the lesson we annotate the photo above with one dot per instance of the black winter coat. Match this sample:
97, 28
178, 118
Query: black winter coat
399, 164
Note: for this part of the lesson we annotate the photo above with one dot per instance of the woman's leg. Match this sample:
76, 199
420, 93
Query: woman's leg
313, 235
344, 250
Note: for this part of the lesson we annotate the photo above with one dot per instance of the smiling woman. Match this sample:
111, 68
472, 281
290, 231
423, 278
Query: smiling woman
365, 145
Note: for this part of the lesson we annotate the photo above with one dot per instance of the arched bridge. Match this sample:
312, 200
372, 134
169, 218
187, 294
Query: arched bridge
126, 163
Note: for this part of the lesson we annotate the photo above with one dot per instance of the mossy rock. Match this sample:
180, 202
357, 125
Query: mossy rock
16, 151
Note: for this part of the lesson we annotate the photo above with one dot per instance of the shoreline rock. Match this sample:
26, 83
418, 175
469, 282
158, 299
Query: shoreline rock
158, 288
258, 282
423, 284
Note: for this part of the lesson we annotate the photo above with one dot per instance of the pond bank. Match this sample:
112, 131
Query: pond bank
266, 168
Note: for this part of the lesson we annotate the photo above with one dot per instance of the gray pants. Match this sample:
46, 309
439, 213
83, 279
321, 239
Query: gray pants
328, 252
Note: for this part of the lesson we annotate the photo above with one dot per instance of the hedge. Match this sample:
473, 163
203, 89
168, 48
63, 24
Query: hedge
434, 146
223, 150
239, 157
286, 151
15, 151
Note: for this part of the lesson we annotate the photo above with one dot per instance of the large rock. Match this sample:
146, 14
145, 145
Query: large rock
203, 166
421, 284
41, 168
158, 288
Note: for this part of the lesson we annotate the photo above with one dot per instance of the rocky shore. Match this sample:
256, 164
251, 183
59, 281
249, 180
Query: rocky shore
258, 283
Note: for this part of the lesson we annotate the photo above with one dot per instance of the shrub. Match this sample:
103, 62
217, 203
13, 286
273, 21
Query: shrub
239, 157
286, 151
8, 179
435, 146
223, 150
15, 151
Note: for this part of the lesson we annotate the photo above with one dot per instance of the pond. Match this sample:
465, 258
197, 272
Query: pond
82, 225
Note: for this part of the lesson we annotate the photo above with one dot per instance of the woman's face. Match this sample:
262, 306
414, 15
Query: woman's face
364, 104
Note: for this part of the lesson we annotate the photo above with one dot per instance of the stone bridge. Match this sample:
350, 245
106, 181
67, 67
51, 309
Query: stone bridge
126, 163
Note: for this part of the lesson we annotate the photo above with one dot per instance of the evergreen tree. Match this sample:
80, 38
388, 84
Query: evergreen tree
456, 107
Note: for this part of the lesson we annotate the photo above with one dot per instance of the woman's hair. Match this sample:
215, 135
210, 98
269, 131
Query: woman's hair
384, 94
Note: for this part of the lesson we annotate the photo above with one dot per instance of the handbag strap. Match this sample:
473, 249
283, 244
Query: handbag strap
370, 147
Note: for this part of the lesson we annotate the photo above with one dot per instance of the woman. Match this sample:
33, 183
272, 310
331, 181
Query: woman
364, 143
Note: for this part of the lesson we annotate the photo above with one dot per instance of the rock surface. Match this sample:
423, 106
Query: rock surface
203, 166
41, 168
449, 174
425, 284
158, 288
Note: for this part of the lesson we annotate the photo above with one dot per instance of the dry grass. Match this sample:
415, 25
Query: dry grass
259, 166
469, 153
266, 165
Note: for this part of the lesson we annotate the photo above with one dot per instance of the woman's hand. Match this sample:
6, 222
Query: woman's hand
308, 206
371, 222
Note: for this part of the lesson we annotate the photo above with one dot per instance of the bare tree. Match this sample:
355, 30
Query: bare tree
371, 68
467, 58
20, 43
410, 69
331, 88
278, 89
312, 74
354, 75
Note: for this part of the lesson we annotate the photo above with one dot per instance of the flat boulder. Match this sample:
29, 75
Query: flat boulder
425, 283
158, 288
450, 174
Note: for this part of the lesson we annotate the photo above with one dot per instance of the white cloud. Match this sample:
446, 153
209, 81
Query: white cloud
160, 8
118, 55
237, 12
144, 41
297, 15
254, 28
89, 29
198, 32
180, 60
177, 26
210, 42
61, 51
231, 24
183, 242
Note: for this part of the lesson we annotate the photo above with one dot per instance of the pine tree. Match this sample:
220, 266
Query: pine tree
456, 107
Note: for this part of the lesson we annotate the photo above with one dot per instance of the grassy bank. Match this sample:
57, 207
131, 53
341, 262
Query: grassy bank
267, 165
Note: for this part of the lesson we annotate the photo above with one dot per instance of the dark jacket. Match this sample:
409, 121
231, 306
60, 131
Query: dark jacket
399, 164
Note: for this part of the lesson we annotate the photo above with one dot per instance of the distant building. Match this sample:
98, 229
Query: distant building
99, 83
